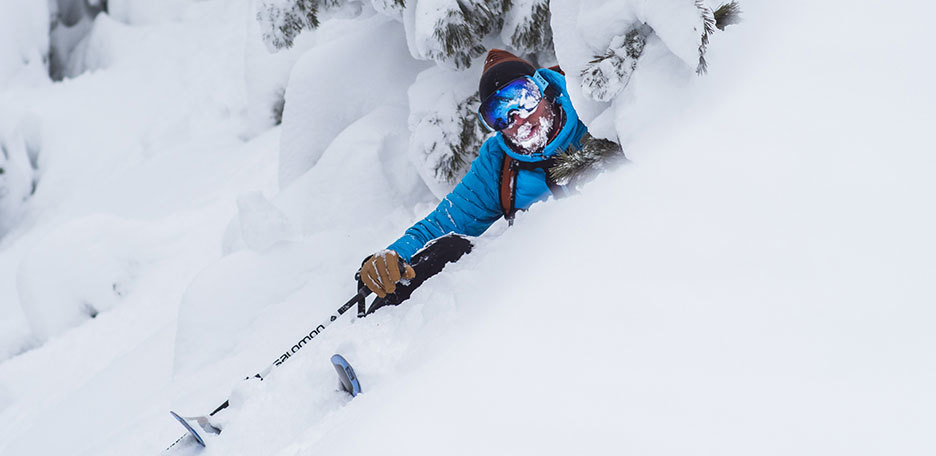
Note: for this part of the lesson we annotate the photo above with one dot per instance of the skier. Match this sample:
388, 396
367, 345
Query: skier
534, 119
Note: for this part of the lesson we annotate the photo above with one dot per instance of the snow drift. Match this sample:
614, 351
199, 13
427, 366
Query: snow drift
357, 66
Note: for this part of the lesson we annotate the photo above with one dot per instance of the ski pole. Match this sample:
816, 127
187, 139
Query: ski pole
358, 299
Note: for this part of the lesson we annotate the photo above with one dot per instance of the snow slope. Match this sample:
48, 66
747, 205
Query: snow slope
756, 281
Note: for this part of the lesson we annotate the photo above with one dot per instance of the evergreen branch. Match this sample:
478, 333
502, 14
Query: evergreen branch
459, 138
534, 33
728, 14
458, 42
708, 24
282, 24
470, 138
576, 166
392, 8
606, 75
461, 29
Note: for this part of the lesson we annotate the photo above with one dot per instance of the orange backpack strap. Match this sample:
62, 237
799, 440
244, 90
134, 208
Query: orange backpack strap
508, 185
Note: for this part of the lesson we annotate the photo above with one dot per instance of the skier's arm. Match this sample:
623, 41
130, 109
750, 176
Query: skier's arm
469, 209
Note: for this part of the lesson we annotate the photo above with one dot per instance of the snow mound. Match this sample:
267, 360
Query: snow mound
356, 66
366, 164
261, 223
24, 43
142, 12
86, 267
18, 174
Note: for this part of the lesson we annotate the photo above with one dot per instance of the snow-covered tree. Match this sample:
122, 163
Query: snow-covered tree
283, 20
450, 32
606, 47
453, 139
455, 33
446, 131
606, 75
392, 8
526, 26
72, 21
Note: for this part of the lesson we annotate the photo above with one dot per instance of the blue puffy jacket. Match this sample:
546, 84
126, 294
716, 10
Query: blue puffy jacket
474, 204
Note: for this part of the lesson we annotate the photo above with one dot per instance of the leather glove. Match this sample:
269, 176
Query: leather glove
382, 270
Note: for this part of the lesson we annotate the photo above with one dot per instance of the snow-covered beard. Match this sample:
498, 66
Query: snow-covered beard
529, 141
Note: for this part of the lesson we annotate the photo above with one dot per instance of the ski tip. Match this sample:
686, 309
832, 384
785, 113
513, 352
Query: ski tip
337, 359
349, 380
188, 427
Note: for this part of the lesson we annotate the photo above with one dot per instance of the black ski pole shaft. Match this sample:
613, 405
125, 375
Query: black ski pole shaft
358, 298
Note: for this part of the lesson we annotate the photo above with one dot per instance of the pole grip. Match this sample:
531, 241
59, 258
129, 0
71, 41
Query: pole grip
362, 303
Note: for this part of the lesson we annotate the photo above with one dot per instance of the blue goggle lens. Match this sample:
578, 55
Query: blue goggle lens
521, 95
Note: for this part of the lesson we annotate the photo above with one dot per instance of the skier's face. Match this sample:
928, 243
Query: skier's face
531, 132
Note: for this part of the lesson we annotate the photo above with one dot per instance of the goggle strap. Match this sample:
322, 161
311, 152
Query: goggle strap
540, 81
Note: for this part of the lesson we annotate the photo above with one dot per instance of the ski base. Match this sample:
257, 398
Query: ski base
188, 427
349, 381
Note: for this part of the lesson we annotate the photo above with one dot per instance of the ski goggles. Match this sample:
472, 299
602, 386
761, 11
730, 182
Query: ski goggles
519, 97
